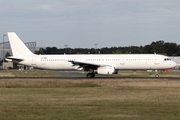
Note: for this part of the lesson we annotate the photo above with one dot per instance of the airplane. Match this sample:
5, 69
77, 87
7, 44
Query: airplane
106, 64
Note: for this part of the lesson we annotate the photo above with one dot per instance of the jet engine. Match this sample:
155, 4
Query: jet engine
107, 70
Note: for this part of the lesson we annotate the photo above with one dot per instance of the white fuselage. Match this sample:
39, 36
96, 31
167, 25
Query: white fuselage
119, 61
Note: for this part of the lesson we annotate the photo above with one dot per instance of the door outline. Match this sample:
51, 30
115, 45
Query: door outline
122, 61
156, 62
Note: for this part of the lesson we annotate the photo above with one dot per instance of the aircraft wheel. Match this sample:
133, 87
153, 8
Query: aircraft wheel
90, 75
156, 75
93, 75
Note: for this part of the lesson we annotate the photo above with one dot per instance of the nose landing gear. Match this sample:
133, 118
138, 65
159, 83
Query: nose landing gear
156, 74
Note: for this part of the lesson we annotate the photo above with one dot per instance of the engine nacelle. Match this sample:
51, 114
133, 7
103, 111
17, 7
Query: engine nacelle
107, 70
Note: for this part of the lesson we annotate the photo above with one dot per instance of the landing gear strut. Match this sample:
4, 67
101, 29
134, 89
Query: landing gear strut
156, 74
91, 75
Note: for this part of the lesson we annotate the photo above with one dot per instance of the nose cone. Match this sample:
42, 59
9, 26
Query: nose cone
174, 64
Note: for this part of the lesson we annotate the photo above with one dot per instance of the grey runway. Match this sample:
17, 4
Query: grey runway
79, 75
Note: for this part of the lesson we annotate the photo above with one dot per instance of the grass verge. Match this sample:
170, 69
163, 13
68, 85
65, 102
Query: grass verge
89, 99
29, 73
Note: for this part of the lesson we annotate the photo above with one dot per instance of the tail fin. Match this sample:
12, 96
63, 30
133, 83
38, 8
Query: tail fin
17, 46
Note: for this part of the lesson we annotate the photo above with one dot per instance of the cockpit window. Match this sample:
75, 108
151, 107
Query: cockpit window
167, 59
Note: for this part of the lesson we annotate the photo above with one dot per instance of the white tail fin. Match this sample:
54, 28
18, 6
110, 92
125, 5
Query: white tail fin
17, 46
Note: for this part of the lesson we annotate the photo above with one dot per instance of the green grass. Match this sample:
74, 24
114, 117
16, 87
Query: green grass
89, 99
32, 73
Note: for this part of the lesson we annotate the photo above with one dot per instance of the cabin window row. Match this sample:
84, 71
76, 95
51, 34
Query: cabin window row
57, 59
139, 59
118, 59
102, 59
166, 59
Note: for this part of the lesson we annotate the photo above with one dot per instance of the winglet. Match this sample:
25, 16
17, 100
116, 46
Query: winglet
17, 46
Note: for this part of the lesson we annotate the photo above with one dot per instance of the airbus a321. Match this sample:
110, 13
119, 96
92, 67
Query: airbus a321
94, 64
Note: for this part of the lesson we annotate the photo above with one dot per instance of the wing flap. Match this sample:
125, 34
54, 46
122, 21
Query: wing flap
86, 66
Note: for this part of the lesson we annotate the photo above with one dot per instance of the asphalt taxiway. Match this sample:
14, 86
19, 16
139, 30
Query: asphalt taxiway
74, 75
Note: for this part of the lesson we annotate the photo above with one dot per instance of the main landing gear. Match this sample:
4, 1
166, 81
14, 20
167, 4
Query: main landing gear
91, 75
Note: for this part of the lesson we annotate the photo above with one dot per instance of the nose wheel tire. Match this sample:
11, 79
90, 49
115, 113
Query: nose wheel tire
156, 75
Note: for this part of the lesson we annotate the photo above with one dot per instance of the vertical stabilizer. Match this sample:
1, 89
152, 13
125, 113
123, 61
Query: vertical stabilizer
17, 46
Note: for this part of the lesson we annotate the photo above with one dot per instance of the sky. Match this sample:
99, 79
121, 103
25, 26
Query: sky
83, 23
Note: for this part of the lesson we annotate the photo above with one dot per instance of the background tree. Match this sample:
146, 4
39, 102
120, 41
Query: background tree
159, 47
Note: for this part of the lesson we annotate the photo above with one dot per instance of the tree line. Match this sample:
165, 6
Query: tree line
158, 47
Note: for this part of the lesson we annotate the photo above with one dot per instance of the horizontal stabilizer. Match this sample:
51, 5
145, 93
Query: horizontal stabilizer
10, 59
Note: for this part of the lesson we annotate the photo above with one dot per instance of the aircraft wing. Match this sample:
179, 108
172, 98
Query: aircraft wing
86, 66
